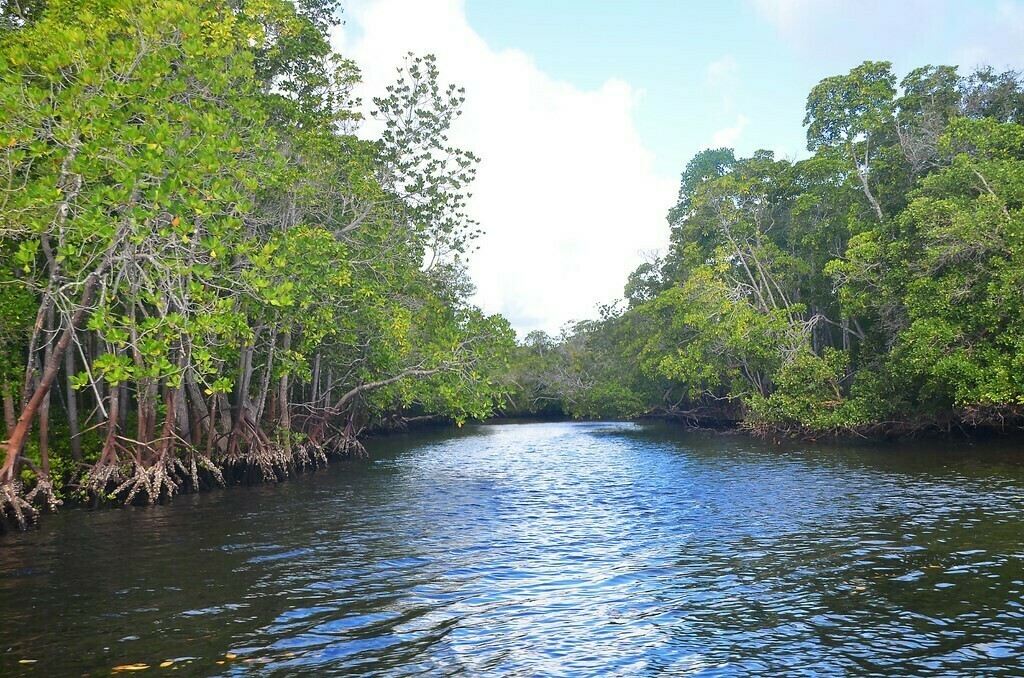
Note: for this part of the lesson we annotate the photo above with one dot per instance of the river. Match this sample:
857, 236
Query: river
546, 549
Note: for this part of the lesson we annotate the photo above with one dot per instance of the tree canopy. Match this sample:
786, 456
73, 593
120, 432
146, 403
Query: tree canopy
874, 287
205, 275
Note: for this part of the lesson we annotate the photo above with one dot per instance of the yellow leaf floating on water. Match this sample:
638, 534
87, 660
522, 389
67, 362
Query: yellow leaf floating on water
165, 664
27, 661
132, 667
231, 656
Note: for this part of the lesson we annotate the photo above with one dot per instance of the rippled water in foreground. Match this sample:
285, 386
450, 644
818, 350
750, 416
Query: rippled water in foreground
546, 549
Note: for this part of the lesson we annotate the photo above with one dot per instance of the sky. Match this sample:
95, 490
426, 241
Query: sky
585, 112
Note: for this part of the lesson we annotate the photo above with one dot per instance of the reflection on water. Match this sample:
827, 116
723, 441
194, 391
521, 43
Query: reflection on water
546, 549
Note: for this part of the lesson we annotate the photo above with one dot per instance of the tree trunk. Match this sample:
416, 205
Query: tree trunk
241, 395
9, 417
44, 435
122, 416
272, 417
38, 328
167, 435
330, 385
112, 424
212, 432
226, 422
72, 396
201, 413
261, 400
862, 174
44, 407
182, 418
314, 394
145, 388
16, 442
198, 418
245, 378
286, 419
152, 395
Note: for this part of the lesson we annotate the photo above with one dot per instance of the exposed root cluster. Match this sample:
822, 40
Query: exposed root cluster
309, 455
130, 474
43, 491
349, 448
15, 506
167, 476
102, 478
194, 468
263, 462
156, 481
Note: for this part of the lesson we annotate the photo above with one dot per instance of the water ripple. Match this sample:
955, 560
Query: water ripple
547, 549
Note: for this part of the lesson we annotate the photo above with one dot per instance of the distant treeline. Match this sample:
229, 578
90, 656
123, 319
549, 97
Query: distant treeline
875, 287
205, 276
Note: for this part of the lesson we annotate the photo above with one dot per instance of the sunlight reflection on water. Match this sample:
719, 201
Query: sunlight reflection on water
558, 548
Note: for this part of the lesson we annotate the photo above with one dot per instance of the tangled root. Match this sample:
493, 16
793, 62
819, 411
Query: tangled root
44, 491
264, 463
309, 455
165, 478
207, 464
101, 477
350, 448
190, 471
157, 481
14, 505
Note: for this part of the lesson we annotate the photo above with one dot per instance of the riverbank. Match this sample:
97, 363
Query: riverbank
121, 485
191, 471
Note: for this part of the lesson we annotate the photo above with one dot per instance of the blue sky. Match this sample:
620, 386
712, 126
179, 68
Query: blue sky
585, 113
772, 53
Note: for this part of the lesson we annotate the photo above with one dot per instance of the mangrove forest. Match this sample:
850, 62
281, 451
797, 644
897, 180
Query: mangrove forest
875, 288
213, 271
207, 277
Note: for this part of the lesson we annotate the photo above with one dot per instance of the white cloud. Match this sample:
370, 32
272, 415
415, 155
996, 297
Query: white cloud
565, 192
727, 136
722, 72
790, 16
722, 76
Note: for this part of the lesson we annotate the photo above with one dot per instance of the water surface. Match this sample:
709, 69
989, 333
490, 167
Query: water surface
546, 549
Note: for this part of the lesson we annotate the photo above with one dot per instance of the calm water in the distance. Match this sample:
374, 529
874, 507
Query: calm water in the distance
546, 549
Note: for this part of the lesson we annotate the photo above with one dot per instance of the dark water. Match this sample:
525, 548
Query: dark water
547, 549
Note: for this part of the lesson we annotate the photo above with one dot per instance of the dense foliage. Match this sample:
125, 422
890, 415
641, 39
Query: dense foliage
877, 286
205, 275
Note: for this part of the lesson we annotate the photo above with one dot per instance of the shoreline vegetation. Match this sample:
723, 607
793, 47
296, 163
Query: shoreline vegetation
209, 276
874, 289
